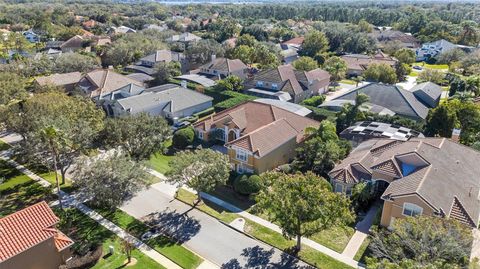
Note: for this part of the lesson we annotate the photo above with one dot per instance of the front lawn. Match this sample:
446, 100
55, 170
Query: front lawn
86, 232
307, 254
165, 246
432, 66
335, 238
159, 162
19, 191
207, 207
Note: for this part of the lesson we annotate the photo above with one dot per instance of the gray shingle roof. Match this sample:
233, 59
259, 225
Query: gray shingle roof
175, 97
396, 99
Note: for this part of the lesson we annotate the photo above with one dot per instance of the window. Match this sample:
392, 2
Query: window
338, 187
274, 86
241, 155
411, 210
259, 83
200, 134
348, 191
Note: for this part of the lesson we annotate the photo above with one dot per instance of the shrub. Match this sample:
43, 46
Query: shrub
247, 185
204, 113
86, 261
183, 138
314, 101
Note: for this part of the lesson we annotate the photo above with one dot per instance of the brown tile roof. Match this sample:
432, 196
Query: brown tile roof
103, 81
361, 62
226, 65
295, 41
28, 227
262, 126
444, 174
59, 79
74, 42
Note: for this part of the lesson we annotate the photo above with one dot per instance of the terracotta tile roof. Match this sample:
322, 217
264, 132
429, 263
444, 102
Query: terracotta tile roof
295, 41
59, 79
226, 65
262, 126
361, 62
28, 227
445, 174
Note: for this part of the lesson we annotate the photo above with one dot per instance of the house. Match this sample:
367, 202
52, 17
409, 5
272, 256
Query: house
29, 239
358, 63
220, 68
390, 100
365, 130
421, 176
386, 35
433, 49
146, 64
100, 82
89, 24
170, 101
75, 43
157, 27
257, 137
295, 42
65, 80
31, 36
428, 92
298, 84
122, 30
185, 38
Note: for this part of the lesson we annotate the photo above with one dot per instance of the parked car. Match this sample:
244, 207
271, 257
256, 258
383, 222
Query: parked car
416, 67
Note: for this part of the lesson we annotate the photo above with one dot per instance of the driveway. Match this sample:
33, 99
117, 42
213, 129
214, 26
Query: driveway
409, 83
341, 90
205, 235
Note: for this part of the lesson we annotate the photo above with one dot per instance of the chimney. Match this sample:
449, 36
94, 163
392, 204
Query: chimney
214, 57
183, 83
456, 135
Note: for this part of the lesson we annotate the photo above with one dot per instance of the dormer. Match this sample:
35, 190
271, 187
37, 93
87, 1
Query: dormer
410, 162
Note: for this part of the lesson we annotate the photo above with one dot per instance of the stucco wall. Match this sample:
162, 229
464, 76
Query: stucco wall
41, 256
395, 208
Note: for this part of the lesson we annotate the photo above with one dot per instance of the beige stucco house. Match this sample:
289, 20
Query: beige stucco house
258, 137
422, 176
29, 239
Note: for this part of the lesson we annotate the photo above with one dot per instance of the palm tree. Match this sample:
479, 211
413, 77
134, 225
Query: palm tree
52, 136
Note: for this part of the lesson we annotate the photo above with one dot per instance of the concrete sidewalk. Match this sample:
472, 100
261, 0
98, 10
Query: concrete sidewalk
338, 256
70, 200
361, 232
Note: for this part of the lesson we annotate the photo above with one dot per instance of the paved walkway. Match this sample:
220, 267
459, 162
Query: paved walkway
361, 232
338, 256
70, 200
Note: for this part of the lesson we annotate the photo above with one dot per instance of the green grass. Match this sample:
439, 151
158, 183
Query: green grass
3, 145
307, 254
335, 238
207, 207
159, 162
432, 66
362, 251
348, 81
414, 73
85, 232
19, 191
173, 251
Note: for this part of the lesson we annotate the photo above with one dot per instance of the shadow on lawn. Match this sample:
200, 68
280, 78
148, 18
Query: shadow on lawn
258, 257
177, 226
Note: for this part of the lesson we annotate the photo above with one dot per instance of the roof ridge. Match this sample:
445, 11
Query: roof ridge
429, 167
408, 102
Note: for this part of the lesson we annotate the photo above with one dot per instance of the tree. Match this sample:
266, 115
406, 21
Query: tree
183, 138
405, 56
337, 68
432, 75
73, 62
381, 73
305, 63
450, 56
202, 170
415, 241
321, 150
402, 71
247, 185
358, 80
362, 196
127, 248
303, 204
230, 83
110, 179
315, 42
365, 26
12, 87
139, 135
201, 51
165, 71
76, 122
244, 53
246, 40
351, 113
